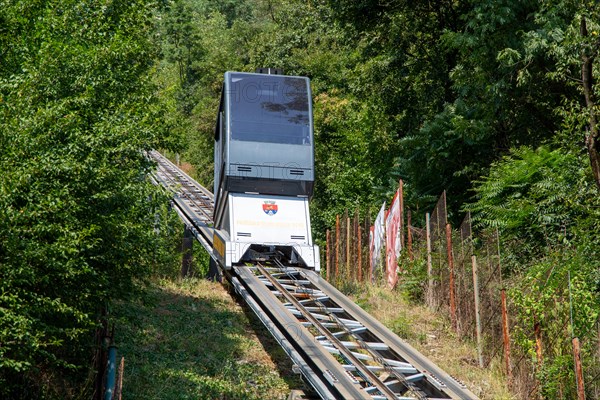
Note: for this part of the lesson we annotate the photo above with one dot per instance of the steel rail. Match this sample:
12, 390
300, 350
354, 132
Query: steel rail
371, 348
331, 373
287, 345
193, 203
343, 352
419, 376
180, 183
324, 331
388, 368
437, 377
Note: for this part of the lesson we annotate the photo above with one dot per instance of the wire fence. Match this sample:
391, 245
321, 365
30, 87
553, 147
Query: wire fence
464, 281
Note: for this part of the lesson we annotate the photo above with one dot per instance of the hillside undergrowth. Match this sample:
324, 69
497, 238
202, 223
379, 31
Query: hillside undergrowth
189, 339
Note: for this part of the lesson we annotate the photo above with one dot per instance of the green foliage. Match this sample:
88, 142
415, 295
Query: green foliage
199, 41
556, 39
412, 277
542, 295
433, 93
302, 39
447, 153
349, 162
76, 213
536, 198
546, 208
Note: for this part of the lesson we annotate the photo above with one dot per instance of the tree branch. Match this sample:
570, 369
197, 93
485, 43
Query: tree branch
591, 139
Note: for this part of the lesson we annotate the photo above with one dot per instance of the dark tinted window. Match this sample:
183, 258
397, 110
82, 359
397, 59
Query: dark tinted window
269, 108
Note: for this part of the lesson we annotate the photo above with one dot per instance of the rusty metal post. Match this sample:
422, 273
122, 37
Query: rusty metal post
429, 263
327, 256
359, 255
451, 280
337, 246
578, 369
355, 244
538, 343
506, 338
477, 311
411, 256
367, 230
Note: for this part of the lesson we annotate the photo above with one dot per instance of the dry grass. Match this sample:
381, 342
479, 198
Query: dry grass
187, 168
432, 336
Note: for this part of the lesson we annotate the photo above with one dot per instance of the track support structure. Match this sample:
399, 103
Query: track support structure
341, 351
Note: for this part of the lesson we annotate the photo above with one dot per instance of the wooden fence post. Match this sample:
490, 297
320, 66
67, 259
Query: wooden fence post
538, 343
359, 256
348, 248
578, 369
451, 280
355, 244
429, 264
119, 384
401, 201
327, 256
506, 338
477, 311
337, 246
367, 255
409, 236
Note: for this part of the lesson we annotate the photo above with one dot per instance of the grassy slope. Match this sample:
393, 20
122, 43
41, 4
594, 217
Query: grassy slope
432, 336
190, 340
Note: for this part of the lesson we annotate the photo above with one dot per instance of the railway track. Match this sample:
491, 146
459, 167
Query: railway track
341, 351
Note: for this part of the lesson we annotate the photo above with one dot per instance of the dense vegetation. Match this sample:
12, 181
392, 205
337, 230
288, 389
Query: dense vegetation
494, 101
77, 110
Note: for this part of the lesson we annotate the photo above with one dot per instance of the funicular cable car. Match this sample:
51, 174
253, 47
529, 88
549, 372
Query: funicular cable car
264, 170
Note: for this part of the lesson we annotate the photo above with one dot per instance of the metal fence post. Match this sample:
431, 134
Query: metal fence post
187, 245
409, 241
111, 372
578, 369
451, 279
348, 248
506, 338
337, 246
429, 263
327, 256
359, 255
477, 310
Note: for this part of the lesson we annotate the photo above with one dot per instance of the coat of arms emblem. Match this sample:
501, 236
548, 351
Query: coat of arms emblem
270, 207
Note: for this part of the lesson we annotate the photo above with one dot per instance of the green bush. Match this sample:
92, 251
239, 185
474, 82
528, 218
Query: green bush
76, 213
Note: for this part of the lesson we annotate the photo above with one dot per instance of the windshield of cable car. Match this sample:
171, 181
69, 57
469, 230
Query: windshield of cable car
269, 108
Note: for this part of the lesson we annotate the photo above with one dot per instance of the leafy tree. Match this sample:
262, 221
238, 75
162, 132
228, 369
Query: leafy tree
567, 33
536, 198
556, 287
446, 95
76, 213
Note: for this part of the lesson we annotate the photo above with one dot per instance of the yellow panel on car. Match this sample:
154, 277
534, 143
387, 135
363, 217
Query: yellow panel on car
219, 245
